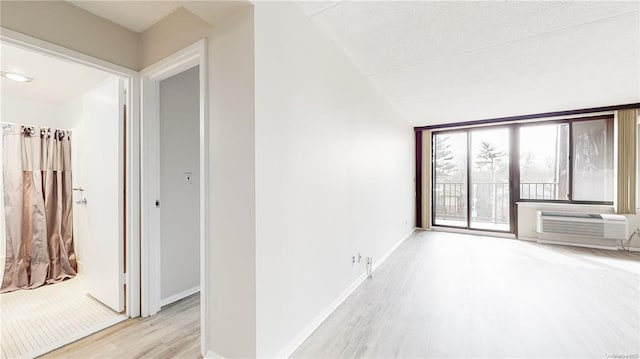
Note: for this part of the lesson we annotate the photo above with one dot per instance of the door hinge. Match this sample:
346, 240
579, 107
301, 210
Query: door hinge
123, 279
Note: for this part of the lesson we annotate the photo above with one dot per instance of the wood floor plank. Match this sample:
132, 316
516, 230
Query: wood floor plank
172, 333
443, 295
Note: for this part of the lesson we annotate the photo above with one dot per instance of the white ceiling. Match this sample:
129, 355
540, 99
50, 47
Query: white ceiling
140, 15
55, 81
441, 62
450, 61
136, 16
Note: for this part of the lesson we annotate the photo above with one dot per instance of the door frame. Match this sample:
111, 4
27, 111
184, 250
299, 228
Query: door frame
192, 55
130, 163
514, 189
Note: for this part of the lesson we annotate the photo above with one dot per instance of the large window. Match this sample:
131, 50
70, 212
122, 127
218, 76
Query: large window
569, 161
479, 173
544, 161
593, 160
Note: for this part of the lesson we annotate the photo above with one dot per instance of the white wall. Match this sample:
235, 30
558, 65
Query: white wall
64, 24
231, 284
21, 111
180, 200
172, 33
334, 174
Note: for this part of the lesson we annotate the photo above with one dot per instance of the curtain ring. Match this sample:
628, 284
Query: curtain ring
28, 131
60, 135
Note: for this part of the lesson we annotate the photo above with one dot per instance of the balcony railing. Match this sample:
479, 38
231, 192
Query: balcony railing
489, 201
539, 190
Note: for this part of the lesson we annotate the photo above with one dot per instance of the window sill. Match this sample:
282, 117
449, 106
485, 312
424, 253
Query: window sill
575, 206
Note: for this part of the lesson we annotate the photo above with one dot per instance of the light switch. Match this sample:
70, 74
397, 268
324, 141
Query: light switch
188, 177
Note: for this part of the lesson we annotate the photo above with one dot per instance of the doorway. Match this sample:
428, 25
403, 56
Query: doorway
472, 179
174, 191
63, 143
179, 186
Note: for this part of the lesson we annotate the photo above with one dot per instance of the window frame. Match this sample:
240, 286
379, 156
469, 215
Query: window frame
514, 168
570, 122
513, 220
433, 179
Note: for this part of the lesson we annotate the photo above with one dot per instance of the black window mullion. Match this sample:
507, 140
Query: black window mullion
570, 184
514, 176
433, 178
468, 179
418, 178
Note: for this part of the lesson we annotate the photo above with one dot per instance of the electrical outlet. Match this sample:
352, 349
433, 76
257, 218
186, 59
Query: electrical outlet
188, 177
353, 260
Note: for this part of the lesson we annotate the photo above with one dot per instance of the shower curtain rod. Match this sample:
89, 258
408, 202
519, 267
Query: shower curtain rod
28, 125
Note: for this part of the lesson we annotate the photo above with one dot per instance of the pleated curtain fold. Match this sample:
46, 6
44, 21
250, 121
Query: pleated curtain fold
37, 193
627, 161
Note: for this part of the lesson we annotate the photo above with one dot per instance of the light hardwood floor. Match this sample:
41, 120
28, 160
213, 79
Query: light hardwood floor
450, 295
172, 333
443, 295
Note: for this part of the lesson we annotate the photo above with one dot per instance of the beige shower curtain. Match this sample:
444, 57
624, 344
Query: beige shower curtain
38, 206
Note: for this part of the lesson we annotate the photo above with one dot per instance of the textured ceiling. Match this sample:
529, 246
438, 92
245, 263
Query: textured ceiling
54, 81
443, 62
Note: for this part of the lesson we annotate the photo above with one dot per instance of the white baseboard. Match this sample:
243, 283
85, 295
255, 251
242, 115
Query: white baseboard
577, 244
177, 297
213, 355
631, 249
473, 232
528, 239
290, 348
80, 267
378, 262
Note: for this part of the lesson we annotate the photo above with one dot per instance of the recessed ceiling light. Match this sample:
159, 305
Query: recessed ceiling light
15, 77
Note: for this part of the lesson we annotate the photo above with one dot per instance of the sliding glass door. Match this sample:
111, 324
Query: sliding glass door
489, 179
450, 179
471, 179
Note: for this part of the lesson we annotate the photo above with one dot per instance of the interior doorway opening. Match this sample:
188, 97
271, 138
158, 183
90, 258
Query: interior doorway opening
179, 186
174, 183
63, 203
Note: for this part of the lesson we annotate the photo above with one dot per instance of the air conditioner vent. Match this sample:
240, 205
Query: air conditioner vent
558, 225
561, 226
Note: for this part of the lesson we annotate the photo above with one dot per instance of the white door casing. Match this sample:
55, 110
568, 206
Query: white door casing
193, 55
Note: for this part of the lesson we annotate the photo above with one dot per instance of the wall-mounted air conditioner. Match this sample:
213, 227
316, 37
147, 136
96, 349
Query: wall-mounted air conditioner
581, 228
